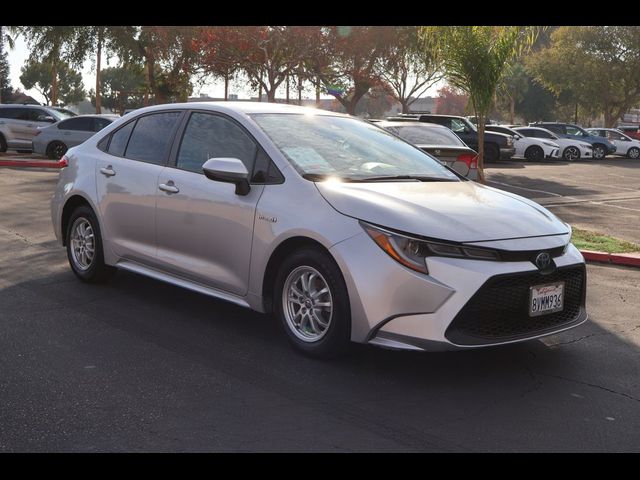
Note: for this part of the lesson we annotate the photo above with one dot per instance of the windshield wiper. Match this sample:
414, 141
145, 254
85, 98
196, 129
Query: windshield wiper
420, 178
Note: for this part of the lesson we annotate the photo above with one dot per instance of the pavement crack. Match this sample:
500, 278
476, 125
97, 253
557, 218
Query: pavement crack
575, 340
599, 387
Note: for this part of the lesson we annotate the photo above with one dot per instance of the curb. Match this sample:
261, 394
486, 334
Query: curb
626, 259
32, 163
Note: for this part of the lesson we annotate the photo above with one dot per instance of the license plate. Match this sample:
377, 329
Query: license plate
546, 298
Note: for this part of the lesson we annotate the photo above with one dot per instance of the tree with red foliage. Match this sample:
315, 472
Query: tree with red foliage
451, 101
215, 49
345, 61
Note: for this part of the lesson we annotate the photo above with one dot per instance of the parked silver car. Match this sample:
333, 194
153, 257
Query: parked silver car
20, 123
345, 232
54, 140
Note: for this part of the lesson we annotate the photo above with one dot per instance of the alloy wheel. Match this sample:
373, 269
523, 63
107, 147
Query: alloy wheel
83, 246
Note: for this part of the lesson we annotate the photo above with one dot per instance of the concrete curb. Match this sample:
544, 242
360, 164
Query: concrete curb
626, 259
32, 163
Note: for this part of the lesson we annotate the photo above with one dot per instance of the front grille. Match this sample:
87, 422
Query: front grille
499, 311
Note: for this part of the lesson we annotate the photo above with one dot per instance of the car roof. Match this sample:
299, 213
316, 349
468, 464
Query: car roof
258, 107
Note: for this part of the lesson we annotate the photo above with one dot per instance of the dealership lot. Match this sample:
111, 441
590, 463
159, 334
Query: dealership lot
137, 365
599, 195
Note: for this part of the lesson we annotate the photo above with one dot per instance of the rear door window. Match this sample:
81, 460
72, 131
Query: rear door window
84, 124
151, 137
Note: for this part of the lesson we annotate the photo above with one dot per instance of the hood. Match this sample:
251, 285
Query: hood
455, 211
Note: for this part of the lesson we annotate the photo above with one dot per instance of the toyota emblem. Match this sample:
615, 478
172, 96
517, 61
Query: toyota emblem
543, 260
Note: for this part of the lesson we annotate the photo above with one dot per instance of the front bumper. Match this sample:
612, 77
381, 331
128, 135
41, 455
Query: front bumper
552, 152
394, 307
507, 152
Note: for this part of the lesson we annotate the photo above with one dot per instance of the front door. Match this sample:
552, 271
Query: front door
205, 230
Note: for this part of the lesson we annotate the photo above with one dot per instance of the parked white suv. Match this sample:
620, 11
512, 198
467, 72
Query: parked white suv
20, 123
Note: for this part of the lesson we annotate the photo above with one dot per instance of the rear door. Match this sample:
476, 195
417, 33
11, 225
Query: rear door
127, 179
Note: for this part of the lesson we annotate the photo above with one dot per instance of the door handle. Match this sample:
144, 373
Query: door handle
108, 171
168, 187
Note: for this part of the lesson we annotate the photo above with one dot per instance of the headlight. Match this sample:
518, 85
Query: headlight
412, 252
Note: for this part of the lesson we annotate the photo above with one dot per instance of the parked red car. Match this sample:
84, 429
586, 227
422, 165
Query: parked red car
631, 130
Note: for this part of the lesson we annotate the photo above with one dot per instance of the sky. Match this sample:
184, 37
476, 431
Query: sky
18, 56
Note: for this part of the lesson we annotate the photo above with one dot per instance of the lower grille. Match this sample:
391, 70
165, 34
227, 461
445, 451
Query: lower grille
499, 311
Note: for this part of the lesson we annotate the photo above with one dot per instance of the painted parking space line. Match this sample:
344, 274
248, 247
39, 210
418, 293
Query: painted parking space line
528, 189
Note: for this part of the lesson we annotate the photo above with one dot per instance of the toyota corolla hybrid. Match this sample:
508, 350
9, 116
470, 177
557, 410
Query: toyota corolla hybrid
340, 229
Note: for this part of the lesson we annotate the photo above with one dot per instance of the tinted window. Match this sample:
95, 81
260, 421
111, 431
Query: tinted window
9, 112
210, 136
100, 123
458, 126
119, 140
575, 131
24, 114
37, 115
84, 124
265, 171
555, 128
540, 134
151, 136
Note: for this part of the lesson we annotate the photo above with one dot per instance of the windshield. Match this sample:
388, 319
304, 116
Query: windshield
423, 135
347, 148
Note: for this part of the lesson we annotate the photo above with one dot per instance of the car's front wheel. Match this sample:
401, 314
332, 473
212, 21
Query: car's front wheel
599, 152
312, 303
633, 152
84, 247
571, 153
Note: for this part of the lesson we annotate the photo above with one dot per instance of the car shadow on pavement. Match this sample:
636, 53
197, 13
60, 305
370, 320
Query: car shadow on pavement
575, 391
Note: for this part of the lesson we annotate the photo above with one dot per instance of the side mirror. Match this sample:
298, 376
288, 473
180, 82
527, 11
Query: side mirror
228, 170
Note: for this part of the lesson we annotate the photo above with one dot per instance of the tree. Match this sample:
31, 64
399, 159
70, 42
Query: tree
51, 45
474, 60
610, 55
513, 87
536, 103
346, 61
409, 69
6, 90
451, 101
123, 88
68, 82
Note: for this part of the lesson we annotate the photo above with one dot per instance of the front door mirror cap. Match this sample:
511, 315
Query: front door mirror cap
228, 170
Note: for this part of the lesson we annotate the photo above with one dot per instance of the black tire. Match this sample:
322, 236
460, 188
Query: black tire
634, 153
3, 144
97, 271
599, 152
571, 154
56, 150
534, 153
337, 337
491, 152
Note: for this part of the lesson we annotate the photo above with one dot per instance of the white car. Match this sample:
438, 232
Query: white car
627, 146
570, 148
528, 148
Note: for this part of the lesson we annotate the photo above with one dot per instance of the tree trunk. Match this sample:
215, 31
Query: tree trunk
54, 82
575, 118
299, 91
260, 92
271, 95
318, 94
226, 88
512, 109
98, 62
405, 105
287, 88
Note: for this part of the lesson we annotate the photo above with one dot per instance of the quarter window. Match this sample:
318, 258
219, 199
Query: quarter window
151, 136
119, 140
213, 136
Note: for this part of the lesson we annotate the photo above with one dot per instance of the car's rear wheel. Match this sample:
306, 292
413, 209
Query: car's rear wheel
312, 303
571, 153
55, 150
599, 152
633, 152
491, 152
534, 153
3, 144
84, 247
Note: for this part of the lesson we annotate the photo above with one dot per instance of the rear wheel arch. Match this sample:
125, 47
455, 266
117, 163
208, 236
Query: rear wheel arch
70, 206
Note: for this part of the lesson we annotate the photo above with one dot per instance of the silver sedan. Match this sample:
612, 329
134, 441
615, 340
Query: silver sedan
54, 140
340, 229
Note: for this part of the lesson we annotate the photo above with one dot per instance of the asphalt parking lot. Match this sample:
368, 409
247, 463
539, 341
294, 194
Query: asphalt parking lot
600, 195
138, 365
